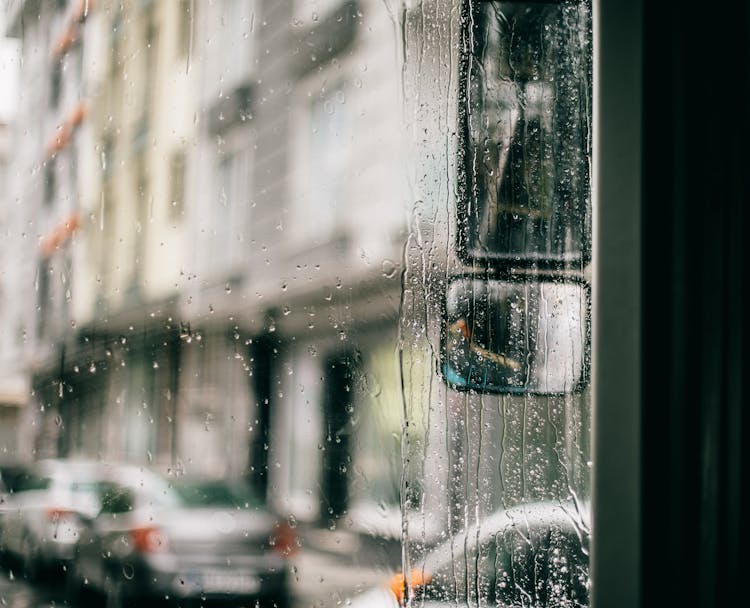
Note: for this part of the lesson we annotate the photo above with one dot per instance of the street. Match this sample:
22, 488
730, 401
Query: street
17, 593
318, 581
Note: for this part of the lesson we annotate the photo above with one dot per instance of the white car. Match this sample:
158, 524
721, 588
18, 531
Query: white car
192, 539
39, 521
528, 555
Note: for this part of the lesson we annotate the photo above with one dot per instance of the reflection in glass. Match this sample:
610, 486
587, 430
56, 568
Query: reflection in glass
515, 337
527, 113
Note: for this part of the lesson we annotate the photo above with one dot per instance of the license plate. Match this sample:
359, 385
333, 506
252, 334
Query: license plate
226, 582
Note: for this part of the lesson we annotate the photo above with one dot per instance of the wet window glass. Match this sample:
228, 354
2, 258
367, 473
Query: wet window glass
529, 555
297, 294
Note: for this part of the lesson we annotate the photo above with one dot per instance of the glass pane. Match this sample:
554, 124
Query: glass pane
294, 299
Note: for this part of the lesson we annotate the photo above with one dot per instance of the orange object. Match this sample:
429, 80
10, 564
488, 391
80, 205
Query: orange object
65, 130
54, 514
60, 234
417, 578
285, 540
77, 114
60, 140
149, 539
66, 39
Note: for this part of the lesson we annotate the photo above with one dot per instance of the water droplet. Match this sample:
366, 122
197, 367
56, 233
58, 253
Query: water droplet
389, 269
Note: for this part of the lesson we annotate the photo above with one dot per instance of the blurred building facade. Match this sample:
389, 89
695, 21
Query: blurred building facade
14, 384
217, 201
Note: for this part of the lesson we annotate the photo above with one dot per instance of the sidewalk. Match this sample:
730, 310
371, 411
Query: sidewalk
333, 567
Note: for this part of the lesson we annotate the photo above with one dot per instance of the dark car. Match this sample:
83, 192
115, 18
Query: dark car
192, 539
528, 555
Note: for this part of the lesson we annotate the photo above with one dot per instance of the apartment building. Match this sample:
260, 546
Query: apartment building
297, 209
142, 123
44, 210
14, 384
220, 238
99, 146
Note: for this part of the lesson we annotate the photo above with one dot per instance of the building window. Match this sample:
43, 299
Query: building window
55, 85
50, 180
142, 215
107, 155
106, 233
326, 153
73, 164
185, 17
115, 47
237, 23
225, 214
43, 297
177, 185
378, 407
151, 57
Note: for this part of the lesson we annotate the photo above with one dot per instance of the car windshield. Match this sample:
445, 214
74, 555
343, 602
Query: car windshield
217, 493
29, 482
84, 487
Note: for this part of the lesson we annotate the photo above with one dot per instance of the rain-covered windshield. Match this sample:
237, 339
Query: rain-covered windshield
210, 493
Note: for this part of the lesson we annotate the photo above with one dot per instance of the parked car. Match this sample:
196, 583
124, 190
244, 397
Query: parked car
10, 473
199, 538
39, 519
530, 555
